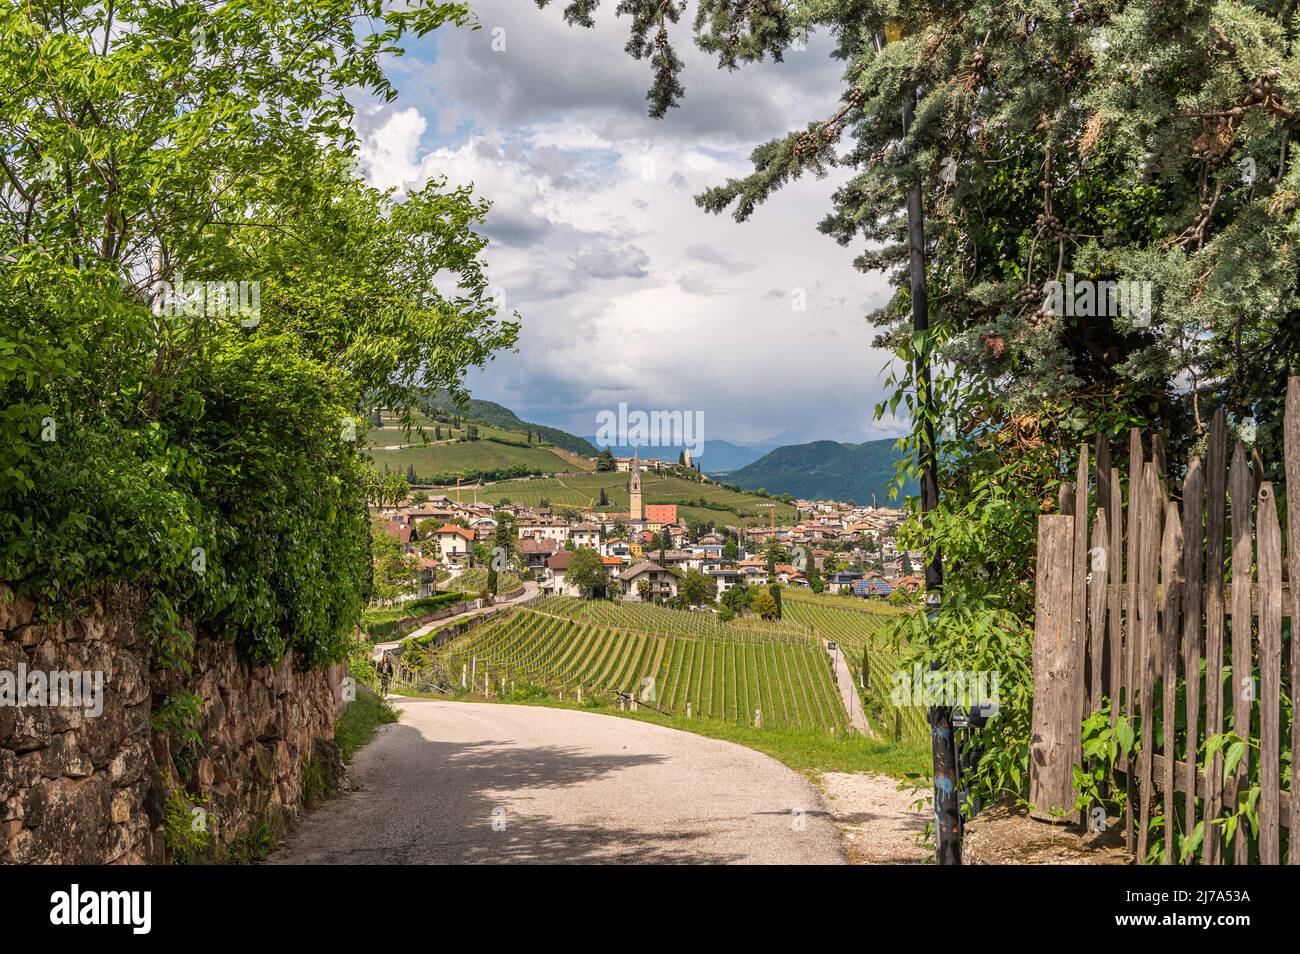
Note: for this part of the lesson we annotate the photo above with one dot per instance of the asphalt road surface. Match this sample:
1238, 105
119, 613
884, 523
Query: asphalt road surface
482, 783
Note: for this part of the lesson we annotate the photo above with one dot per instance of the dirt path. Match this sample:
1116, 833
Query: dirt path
458, 782
879, 823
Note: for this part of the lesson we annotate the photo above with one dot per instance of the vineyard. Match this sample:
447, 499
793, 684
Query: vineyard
859, 628
671, 622
667, 659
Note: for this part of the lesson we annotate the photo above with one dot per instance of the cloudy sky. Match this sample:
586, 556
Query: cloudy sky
627, 291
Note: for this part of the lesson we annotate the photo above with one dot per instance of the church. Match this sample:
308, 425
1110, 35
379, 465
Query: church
635, 510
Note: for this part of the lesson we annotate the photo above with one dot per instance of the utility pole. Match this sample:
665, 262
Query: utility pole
947, 811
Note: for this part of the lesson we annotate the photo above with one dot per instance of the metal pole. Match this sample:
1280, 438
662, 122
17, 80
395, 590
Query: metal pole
947, 817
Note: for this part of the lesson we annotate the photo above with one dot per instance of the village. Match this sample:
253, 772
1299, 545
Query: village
648, 552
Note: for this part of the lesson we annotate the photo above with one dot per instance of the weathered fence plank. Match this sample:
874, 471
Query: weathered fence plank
1115, 599
1148, 636
1054, 739
1171, 555
1131, 635
1099, 564
1193, 504
1216, 467
1241, 489
1270, 674
1291, 449
1081, 522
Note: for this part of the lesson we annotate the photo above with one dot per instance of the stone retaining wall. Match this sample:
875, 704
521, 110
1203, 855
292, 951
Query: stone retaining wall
80, 787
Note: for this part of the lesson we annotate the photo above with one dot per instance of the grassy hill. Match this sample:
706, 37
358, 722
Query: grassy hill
489, 412
498, 452
825, 469
699, 502
508, 467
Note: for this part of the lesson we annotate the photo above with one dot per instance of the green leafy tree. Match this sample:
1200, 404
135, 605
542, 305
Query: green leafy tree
814, 577
775, 590
775, 554
206, 299
730, 550
764, 604
738, 598
587, 572
697, 588
396, 572
605, 461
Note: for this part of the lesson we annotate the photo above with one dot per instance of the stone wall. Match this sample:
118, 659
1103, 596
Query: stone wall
76, 787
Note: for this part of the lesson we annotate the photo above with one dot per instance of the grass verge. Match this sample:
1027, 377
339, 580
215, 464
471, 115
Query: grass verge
359, 723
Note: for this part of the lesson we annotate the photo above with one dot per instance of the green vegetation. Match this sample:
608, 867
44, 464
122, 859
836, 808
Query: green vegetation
724, 671
474, 445
382, 624
489, 414
485, 458
185, 830
652, 618
811, 751
254, 845
360, 721
198, 440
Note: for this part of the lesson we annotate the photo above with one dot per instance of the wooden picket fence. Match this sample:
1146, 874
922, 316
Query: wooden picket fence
1167, 591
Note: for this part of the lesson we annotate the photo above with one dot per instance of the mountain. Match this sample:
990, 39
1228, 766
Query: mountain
489, 412
717, 456
825, 469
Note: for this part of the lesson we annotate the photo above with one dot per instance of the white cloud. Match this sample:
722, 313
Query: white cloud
627, 290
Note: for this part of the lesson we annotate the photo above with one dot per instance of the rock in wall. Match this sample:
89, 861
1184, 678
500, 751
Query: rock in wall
80, 786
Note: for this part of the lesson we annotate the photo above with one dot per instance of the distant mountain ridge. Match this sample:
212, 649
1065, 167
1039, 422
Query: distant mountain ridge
826, 470
718, 455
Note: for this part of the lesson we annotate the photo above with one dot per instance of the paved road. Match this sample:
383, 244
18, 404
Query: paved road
458, 782
531, 589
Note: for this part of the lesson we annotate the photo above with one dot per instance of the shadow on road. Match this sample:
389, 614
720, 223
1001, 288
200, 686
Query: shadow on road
440, 802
